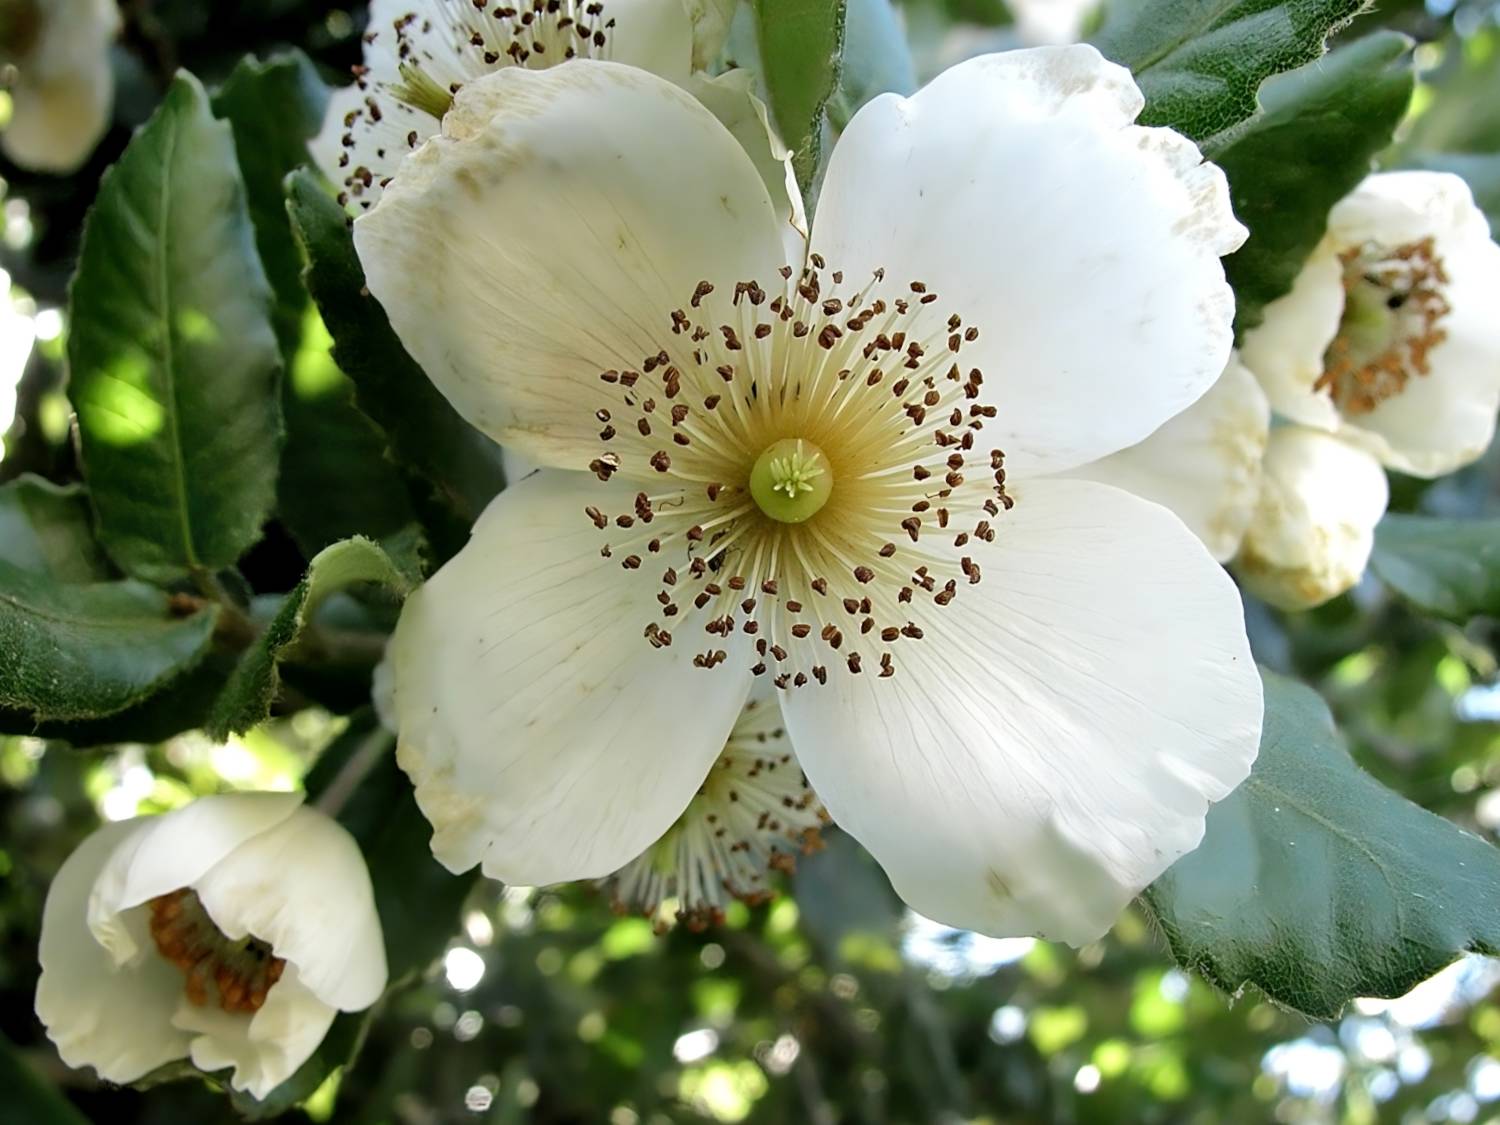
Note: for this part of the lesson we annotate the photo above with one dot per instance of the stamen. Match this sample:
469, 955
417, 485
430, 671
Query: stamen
1394, 302
803, 463
237, 975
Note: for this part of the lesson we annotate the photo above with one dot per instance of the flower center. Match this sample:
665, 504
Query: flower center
731, 437
1394, 303
419, 63
790, 481
236, 974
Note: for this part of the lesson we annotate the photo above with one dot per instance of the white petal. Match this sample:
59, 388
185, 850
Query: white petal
265, 1049
301, 886
1085, 249
64, 89
654, 35
117, 1020
517, 466
1314, 527
1443, 420
1204, 464
730, 97
173, 851
1285, 351
545, 736
549, 235
1054, 741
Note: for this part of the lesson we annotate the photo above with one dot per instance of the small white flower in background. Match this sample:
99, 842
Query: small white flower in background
836, 471
1204, 464
752, 815
1390, 335
63, 90
229, 932
419, 54
1314, 524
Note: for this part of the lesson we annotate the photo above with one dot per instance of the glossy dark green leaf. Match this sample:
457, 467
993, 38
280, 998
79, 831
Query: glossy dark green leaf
1313, 142
1317, 884
251, 690
274, 109
48, 528
877, 59
28, 1096
82, 652
424, 432
1200, 62
173, 364
1480, 171
1448, 567
801, 53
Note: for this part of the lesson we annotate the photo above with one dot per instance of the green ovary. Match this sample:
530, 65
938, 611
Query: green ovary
791, 480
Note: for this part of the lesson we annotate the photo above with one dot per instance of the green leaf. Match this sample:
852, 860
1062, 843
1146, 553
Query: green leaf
48, 529
877, 59
274, 109
1317, 884
1314, 141
173, 362
425, 433
1200, 62
801, 51
1448, 567
251, 690
83, 652
30, 1098
1480, 171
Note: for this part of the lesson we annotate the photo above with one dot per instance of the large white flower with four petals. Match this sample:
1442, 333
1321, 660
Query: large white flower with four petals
1020, 692
230, 931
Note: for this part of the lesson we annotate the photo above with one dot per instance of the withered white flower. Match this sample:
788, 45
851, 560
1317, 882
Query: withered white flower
419, 54
1204, 464
1021, 693
1314, 524
1389, 335
63, 89
753, 815
229, 932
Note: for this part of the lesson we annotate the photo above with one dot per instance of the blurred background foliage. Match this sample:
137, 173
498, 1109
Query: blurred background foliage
832, 1003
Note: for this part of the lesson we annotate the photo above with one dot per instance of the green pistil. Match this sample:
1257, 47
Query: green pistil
791, 481
421, 92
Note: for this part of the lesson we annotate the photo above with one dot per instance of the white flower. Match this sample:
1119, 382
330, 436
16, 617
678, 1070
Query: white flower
1314, 525
795, 469
63, 90
230, 932
419, 54
1203, 464
752, 815
1390, 335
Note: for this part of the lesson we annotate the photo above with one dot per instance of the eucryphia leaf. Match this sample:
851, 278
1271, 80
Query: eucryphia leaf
1317, 884
47, 528
1446, 566
801, 52
1200, 62
173, 364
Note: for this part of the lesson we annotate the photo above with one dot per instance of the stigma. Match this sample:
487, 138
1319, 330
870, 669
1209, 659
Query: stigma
802, 463
234, 975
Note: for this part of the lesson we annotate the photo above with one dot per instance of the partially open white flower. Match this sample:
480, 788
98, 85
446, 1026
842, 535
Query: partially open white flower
1390, 335
1314, 525
1020, 693
230, 932
1204, 464
419, 54
63, 90
751, 816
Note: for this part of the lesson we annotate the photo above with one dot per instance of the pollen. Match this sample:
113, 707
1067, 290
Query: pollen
233, 975
1394, 305
799, 465
753, 815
